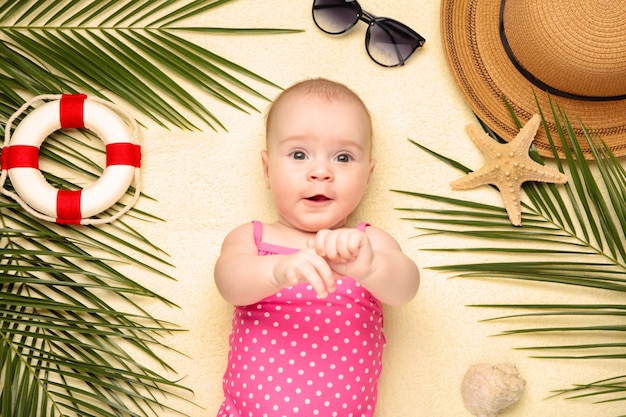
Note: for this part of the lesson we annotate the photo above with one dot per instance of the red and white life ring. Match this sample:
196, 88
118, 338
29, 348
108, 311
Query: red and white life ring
20, 158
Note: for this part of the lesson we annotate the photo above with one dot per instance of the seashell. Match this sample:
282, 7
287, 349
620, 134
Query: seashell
487, 389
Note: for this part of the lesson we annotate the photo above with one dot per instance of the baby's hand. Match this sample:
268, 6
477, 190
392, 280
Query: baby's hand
305, 266
347, 251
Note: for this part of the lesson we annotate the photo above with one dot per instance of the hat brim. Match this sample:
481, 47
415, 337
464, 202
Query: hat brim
486, 77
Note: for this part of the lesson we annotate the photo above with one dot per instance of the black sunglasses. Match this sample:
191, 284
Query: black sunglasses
388, 42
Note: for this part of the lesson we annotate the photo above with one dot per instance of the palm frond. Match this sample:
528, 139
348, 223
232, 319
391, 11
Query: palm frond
573, 235
69, 319
130, 49
64, 348
72, 326
609, 390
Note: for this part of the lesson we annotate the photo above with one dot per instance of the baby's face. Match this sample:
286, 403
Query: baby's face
317, 162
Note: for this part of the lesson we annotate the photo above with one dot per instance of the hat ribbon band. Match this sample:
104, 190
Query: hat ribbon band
536, 81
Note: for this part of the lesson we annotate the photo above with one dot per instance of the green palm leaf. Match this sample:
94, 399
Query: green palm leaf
72, 326
64, 349
132, 49
573, 235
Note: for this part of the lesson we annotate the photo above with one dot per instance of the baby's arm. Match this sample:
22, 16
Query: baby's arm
374, 259
244, 278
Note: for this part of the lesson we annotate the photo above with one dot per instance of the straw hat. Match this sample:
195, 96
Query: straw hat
574, 49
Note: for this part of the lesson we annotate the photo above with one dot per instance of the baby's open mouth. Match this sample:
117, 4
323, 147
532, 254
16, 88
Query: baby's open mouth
318, 197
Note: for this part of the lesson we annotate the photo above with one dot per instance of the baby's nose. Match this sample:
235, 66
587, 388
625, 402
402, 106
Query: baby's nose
320, 172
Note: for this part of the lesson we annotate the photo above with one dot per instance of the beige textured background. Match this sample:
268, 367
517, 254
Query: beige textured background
206, 183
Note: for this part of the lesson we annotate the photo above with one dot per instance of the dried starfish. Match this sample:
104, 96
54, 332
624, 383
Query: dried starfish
508, 166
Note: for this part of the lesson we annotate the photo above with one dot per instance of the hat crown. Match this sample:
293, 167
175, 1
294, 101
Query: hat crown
577, 47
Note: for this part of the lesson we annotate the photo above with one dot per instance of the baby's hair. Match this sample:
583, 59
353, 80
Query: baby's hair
320, 87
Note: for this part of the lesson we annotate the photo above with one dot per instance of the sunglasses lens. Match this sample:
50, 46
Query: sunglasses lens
390, 43
335, 16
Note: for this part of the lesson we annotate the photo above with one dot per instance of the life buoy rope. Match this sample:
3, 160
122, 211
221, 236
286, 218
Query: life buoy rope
20, 159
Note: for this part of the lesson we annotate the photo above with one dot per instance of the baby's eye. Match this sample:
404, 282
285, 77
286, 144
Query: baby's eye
298, 155
344, 157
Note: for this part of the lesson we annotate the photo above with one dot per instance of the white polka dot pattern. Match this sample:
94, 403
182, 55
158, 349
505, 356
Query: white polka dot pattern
294, 354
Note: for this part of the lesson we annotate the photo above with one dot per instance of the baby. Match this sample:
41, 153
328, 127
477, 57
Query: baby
307, 335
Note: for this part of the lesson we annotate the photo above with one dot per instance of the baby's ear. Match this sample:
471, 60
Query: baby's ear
372, 166
264, 158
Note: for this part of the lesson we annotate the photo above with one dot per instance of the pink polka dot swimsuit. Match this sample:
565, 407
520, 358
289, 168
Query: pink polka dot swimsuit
292, 354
